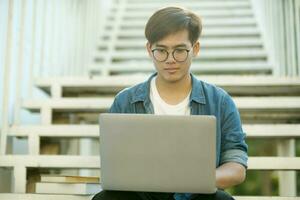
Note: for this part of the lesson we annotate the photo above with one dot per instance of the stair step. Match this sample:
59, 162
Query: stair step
217, 68
205, 13
251, 130
210, 22
179, 1
51, 161
189, 1
206, 21
209, 32
235, 85
252, 109
70, 104
205, 43
256, 104
265, 198
230, 4
205, 55
55, 131
93, 162
15, 196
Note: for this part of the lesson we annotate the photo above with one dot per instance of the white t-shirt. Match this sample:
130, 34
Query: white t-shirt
163, 108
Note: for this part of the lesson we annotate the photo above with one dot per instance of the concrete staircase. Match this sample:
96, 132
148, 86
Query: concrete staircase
231, 42
232, 57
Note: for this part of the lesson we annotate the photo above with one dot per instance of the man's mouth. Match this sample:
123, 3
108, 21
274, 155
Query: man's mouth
171, 69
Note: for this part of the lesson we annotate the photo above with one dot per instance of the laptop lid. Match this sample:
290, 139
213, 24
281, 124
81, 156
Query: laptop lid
157, 153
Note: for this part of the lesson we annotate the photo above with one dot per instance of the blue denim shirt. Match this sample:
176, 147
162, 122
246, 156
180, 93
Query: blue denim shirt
205, 99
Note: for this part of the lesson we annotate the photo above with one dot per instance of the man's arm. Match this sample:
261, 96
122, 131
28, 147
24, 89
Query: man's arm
230, 174
232, 170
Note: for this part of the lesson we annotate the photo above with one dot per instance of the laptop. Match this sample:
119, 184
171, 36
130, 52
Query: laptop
158, 153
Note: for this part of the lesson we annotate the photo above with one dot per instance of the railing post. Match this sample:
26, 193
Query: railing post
33, 49
43, 41
19, 179
7, 67
63, 38
34, 144
297, 18
20, 66
287, 180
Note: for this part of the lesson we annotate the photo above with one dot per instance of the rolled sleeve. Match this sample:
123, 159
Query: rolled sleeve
233, 145
235, 155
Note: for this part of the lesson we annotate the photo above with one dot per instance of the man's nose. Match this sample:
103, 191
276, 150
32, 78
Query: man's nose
170, 58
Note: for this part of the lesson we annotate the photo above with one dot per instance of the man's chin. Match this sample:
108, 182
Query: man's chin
172, 78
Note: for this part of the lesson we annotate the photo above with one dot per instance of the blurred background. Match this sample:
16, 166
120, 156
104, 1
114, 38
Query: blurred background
63, 61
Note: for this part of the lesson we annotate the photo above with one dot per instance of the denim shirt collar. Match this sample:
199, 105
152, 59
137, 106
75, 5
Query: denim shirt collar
142, 93
197, 93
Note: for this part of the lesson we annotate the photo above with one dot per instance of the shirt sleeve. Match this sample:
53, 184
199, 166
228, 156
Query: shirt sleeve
233, 145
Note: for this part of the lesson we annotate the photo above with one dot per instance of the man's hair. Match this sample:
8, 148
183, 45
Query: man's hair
170, 20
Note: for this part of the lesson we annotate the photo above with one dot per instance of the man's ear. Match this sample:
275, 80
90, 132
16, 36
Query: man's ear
196, 48
148, 47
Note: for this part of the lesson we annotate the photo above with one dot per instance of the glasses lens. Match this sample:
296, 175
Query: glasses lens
160, 54
180, 55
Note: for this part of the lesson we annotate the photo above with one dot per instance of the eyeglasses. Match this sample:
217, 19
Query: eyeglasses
161, 55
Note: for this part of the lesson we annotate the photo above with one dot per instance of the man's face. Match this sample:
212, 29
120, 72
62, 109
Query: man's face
172, 56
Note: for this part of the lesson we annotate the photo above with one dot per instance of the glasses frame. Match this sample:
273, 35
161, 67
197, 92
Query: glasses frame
168, 53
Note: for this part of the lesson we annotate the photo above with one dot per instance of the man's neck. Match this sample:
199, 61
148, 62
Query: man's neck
174, 92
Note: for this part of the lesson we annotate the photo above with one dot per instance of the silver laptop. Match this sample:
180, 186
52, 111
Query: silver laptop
156, 153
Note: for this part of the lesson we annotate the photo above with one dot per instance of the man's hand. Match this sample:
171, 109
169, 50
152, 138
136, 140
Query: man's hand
230, 174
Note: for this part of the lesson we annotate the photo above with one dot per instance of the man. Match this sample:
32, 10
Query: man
172, 35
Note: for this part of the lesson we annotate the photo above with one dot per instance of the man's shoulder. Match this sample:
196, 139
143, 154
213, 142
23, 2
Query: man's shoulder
211, 89
217, 98
130, 93
125, 98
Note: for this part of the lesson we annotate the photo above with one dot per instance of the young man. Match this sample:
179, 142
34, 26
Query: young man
172, 35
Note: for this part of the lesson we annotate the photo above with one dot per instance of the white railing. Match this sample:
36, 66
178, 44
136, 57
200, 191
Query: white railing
280, 24
279, 21
42, 39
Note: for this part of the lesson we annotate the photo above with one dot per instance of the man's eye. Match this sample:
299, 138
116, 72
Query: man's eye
160, 50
